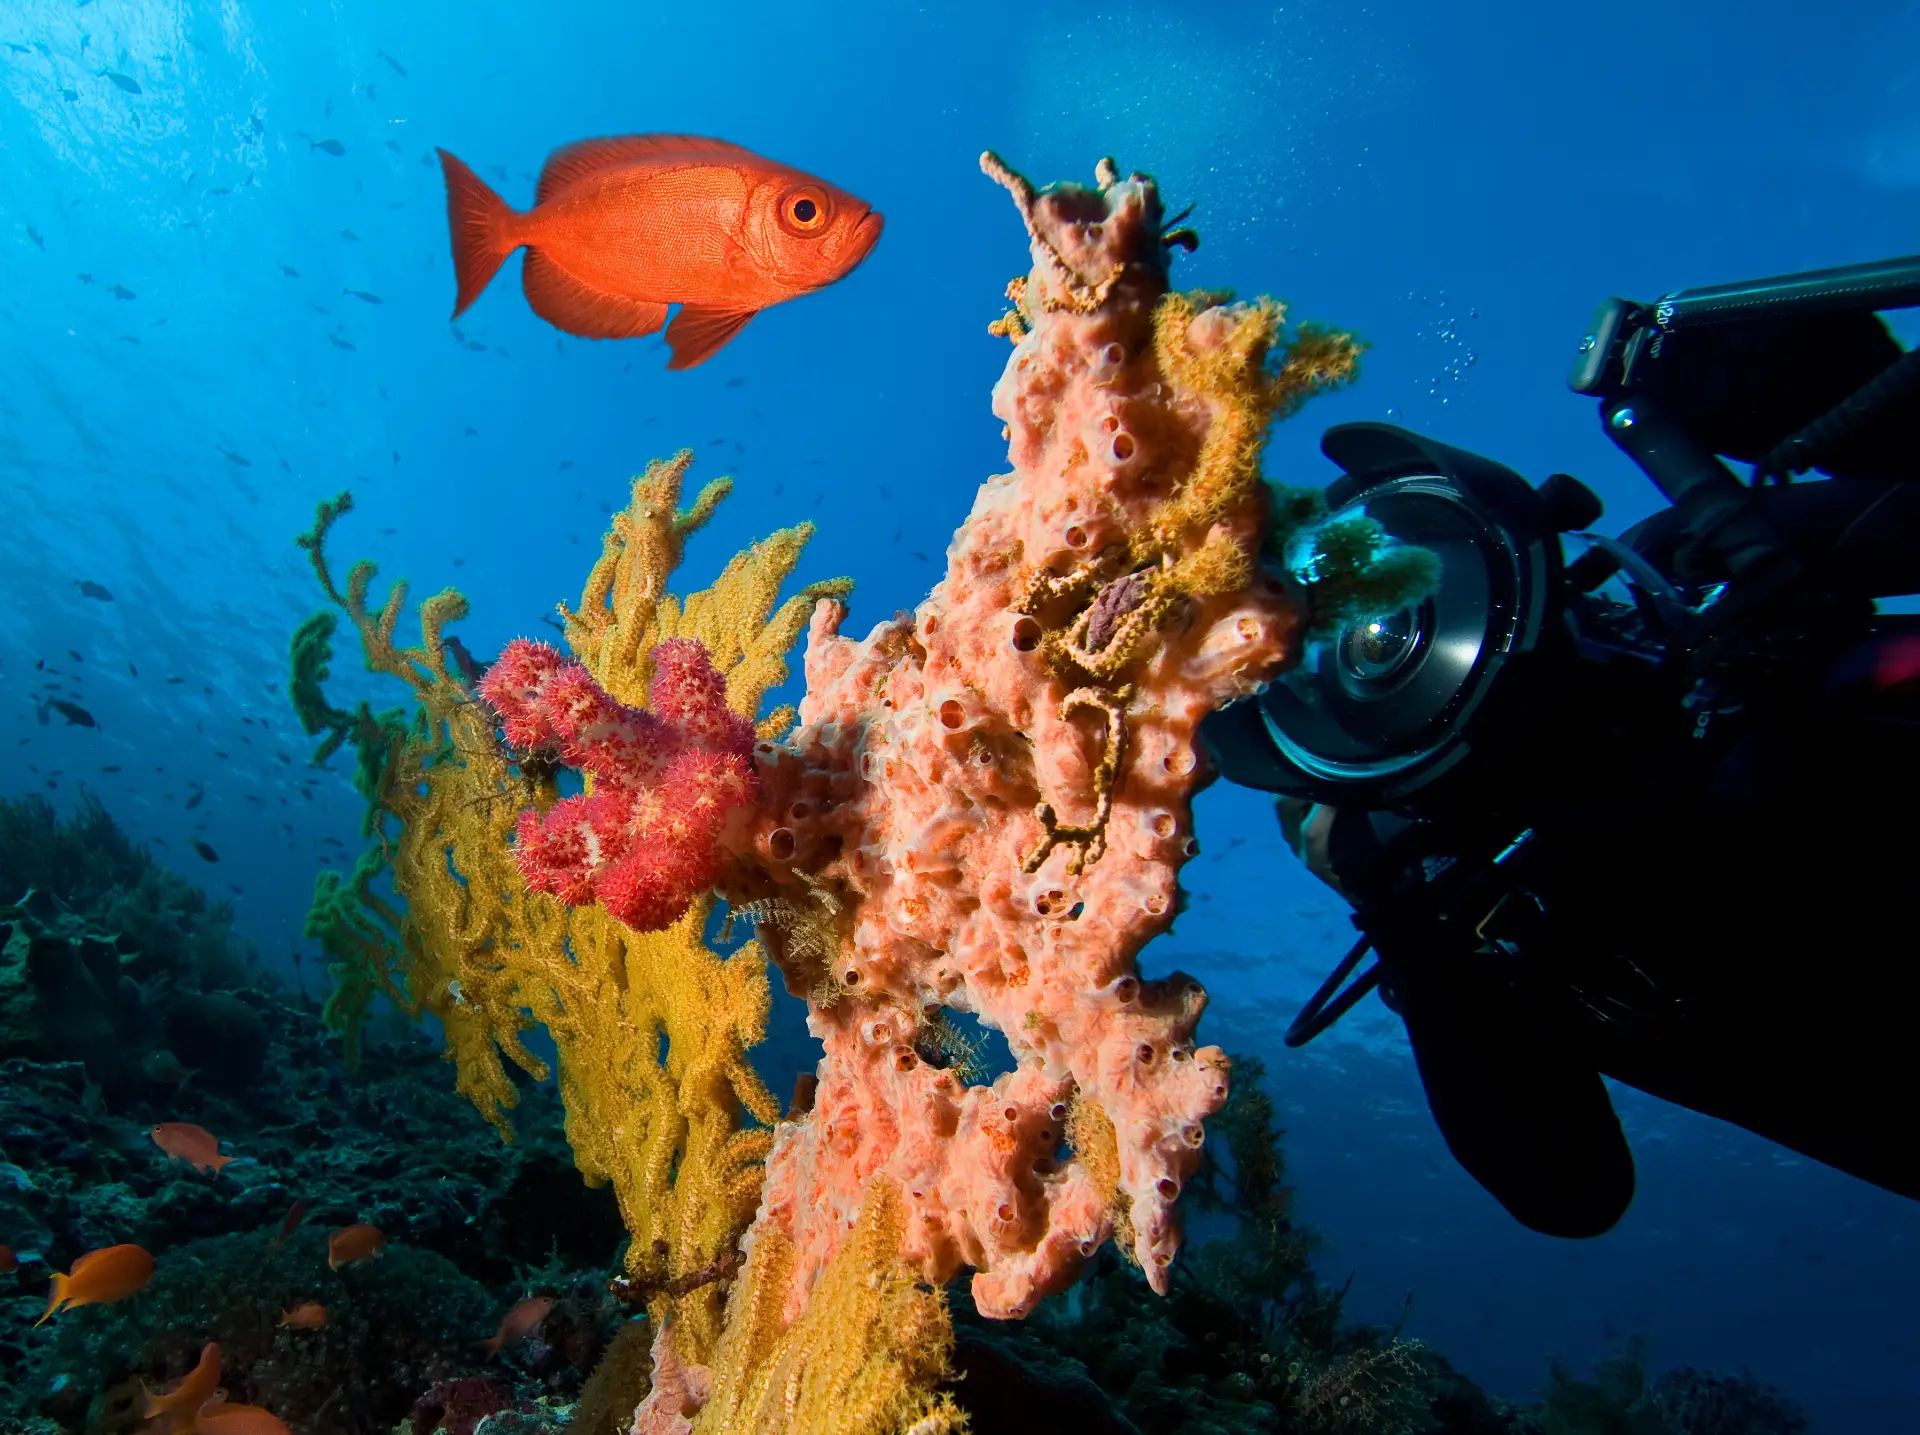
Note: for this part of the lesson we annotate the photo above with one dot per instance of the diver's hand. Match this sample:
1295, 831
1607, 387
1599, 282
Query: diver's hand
1308, 828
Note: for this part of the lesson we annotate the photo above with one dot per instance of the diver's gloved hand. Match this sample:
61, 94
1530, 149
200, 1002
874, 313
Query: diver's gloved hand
1308, 830
1519, 1104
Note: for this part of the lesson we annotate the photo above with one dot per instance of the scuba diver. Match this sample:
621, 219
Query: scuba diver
1664, 830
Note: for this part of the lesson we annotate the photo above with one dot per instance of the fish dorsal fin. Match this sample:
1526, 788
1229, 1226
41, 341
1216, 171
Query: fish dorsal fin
571, 162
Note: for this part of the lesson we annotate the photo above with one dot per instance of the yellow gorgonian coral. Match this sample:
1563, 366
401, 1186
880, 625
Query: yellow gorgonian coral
864, 1358
652, 1028
625, 609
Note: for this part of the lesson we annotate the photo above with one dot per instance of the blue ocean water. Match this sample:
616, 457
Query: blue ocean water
185, 371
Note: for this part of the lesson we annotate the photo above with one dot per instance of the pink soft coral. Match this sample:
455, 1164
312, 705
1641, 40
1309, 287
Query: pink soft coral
645, 840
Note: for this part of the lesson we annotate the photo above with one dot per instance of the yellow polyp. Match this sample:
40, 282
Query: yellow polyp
1096, 1146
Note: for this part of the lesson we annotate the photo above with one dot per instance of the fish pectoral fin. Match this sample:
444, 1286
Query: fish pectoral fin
696, 333
579, 308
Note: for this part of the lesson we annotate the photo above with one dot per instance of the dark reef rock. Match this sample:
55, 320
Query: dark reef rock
219, 1036
454, 1407
60, 993
1004, 1395
1698, 1402
1618, 1400
394, 1326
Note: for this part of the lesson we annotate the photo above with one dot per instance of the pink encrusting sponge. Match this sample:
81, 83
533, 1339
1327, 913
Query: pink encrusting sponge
988, 801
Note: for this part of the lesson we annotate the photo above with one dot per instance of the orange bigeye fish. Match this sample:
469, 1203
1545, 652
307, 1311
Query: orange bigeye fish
622, 228
100, 1278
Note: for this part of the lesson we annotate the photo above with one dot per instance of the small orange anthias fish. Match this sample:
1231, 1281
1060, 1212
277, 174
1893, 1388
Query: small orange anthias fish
8, 1262
308, 1315
177, 1406
195, 1145
354, 1243
100, 1278
521, 1321
219, 1417
296, 1213
621, 228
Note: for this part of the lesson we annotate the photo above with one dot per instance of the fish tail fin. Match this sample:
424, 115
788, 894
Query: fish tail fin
56, 1298
478, 219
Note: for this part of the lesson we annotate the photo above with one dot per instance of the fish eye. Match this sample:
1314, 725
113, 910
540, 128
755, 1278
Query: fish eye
804, 211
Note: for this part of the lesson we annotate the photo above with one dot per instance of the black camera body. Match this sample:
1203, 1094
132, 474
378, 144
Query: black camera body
1589, 831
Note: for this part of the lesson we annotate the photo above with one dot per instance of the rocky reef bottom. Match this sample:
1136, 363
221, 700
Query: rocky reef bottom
125, 1006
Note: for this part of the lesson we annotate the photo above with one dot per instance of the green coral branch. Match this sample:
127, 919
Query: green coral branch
359, 932
421, 668
363, 936
377, 738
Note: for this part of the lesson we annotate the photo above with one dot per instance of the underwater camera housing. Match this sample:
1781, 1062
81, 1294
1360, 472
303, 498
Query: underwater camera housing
1591, 830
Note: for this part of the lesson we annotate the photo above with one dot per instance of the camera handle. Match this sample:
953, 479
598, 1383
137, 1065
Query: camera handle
1452, 910
1718, 509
